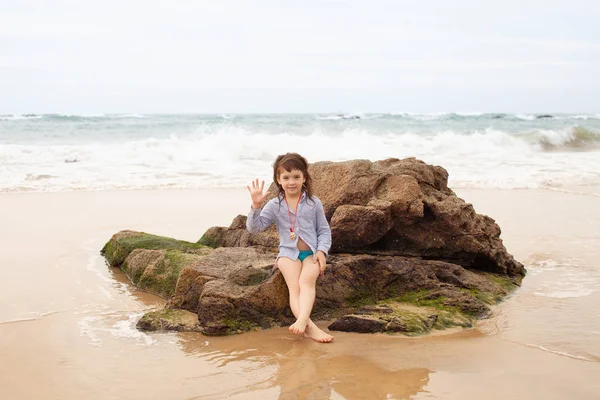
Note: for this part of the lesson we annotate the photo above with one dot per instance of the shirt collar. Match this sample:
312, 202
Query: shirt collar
280, 197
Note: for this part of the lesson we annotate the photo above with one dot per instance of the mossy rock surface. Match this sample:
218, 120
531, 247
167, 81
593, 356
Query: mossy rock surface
212, 237
229, 326
169, 320
123, 243
157, 271
414, 313
508, 284
418, 312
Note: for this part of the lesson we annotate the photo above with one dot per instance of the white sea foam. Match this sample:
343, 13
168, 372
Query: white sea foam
23, 319
127, 329
229, 153
554, 137
19, 117
426, 117
583, 117
566, 278
416, 114
579, 116
130, 116
526, 117
566, 292
86, 329
91, 115
560, 353
93, 326
469, 113
344, 116
232, 158
535, 267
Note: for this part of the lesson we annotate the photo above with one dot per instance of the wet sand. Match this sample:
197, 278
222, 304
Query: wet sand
67, 321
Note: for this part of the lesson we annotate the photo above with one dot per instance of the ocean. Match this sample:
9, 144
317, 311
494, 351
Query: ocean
55, 152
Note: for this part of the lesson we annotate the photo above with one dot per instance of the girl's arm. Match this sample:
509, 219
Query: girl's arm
323, 230
259, 220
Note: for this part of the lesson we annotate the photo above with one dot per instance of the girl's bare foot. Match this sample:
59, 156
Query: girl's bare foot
318, 335
298, 327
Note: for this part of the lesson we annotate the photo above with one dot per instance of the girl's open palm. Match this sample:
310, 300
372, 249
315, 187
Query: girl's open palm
256, 192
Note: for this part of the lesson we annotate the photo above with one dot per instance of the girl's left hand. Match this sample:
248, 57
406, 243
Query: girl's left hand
322, 261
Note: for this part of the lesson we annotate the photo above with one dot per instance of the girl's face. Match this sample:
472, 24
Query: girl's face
291, 181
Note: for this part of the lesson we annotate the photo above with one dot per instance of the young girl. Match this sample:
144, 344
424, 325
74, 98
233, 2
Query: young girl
304, 236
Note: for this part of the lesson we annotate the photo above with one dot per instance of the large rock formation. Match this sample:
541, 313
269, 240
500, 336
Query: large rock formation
408, 256
393, 207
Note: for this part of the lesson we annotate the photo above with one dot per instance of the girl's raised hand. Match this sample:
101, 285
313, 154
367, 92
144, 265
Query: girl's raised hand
256, 192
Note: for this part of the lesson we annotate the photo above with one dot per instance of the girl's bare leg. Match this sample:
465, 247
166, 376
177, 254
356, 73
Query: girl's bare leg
291, 271
308, 277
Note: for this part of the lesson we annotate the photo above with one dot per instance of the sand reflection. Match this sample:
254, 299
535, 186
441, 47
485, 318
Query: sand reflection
301, 369
349, 377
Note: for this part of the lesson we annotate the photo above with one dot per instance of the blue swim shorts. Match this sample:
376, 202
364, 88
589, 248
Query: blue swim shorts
303, 254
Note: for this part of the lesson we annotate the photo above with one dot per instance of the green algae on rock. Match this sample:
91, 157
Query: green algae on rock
124, 242
157, 271
169, 320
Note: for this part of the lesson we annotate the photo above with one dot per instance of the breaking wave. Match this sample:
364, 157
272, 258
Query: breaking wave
98, 152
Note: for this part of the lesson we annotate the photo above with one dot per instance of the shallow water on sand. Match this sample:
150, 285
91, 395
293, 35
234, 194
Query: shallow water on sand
557, 236
67, 321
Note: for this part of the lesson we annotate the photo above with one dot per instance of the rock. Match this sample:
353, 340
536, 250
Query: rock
122, 243
374, 224
236, 289
408, 256
394, 207
375, 309
237, 236
241, 290
362, 280
405, 317
157, 271
396, 325
169, 320
358, 323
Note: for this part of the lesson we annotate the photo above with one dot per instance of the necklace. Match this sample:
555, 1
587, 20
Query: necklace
292, 222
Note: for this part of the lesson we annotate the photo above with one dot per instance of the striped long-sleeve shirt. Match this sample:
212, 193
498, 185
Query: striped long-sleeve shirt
311, 224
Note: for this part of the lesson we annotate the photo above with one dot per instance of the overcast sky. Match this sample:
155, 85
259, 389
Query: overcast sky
299, 56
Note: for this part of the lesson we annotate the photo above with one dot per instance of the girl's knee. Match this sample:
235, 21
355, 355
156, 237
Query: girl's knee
305, 284
294, 290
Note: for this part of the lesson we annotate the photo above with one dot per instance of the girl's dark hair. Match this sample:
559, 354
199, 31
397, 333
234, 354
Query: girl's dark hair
289, 162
